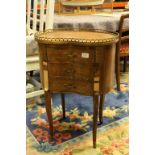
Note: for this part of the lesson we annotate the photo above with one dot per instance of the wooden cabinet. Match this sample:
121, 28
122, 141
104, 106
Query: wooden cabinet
77, 62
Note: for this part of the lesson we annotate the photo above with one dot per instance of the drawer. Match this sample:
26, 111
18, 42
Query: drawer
83, 71
60, 85
66, 54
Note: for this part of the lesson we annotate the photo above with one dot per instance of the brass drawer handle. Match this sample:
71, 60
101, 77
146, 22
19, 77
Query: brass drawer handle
69, 71
69, 85
71, 55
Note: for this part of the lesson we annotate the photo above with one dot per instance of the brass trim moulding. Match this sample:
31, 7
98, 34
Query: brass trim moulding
45, 73
47, 38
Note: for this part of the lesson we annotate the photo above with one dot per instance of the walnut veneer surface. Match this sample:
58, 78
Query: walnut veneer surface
77, 62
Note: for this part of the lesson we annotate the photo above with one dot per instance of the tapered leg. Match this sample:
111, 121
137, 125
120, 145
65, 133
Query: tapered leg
49, 112
63, 104
95, 116
117, 68
125, 64
101, 108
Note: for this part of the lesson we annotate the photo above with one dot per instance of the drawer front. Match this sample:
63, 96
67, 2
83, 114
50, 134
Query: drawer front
81, 71
66, 54
60, 85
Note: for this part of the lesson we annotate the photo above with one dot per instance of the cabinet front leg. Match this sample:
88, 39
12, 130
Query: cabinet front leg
117, 67
95, 116
49, 112
125, 64
101, 108
63, 104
